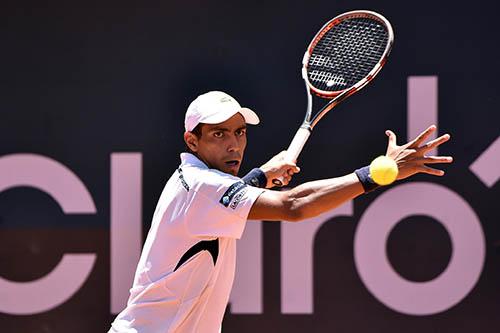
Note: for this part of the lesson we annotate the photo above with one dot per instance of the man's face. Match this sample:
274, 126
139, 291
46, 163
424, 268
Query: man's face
221, 146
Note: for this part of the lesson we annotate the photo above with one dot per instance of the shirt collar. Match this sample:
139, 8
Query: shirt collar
190, 159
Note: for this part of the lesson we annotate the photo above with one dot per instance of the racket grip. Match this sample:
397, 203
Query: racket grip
293, 151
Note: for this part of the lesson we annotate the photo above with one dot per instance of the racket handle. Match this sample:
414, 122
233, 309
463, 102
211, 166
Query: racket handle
293, 151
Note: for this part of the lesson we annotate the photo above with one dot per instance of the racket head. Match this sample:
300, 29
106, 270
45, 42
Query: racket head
347, 53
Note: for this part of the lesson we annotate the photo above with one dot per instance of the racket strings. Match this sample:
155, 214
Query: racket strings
346, 53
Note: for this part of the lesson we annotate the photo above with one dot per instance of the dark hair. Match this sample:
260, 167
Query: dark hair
197, 132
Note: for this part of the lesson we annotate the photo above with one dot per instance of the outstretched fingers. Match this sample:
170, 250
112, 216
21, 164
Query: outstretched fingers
434, 159
430, 171
415, 143
422, 161
392, 137
434, 143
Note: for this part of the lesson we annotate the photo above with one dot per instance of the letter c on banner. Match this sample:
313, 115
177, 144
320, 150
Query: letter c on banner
464, 268
53, 178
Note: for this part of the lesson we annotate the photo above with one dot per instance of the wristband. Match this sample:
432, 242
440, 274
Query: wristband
256, 177
365, 179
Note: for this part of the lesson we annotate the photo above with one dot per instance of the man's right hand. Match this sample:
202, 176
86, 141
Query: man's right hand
277, 167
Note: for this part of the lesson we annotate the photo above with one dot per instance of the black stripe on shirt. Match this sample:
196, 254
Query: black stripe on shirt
211, 246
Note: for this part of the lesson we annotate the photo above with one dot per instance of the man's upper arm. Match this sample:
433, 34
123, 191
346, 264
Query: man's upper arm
218, 205
272, 206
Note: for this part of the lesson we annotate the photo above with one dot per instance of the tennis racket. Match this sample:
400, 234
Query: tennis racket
343, 57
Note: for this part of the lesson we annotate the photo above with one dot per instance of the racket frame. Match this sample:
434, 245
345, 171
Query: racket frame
340, 95
309, 122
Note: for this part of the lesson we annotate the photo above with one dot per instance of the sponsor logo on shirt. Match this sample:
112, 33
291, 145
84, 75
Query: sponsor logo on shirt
231, 193
183, 181
237, 198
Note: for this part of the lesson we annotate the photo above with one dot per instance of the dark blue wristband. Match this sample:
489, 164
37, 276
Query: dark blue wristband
365, 179
256, 177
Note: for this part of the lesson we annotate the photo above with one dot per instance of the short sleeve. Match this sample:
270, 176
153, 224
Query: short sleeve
219, 205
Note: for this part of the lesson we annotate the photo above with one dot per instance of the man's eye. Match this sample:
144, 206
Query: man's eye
218, 134
241, 132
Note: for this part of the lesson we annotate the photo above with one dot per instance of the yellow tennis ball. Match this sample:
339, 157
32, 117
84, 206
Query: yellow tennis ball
383, 170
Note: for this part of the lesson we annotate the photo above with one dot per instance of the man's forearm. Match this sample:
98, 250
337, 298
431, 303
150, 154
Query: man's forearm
313, 198
307, 200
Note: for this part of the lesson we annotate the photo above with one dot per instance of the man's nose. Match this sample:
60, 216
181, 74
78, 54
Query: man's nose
234, 144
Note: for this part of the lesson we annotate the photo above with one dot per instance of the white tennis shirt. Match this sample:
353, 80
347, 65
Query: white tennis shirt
186, 270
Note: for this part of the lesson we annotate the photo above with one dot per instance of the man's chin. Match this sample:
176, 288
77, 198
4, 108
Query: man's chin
232, 170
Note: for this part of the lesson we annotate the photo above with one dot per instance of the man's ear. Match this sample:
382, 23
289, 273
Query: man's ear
191, 141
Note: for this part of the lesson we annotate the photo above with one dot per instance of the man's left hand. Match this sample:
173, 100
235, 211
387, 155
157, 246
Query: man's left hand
411, 158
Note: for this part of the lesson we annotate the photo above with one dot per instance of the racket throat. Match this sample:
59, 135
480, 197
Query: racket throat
307, 126
298, 142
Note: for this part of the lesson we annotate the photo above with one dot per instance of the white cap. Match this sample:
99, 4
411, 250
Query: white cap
215, 107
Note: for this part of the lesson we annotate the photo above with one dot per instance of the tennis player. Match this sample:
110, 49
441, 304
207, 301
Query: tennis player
186, 270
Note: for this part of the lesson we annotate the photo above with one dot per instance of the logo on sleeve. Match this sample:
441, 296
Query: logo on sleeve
233, 192
183, 181
237, 198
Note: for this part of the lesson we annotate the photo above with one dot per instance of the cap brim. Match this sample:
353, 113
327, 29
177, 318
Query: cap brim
220, 117
250, 116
